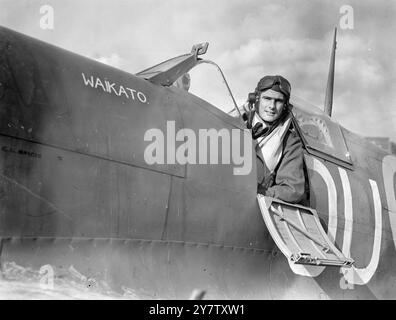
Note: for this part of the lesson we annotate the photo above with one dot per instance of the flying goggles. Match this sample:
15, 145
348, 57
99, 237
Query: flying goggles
276, 83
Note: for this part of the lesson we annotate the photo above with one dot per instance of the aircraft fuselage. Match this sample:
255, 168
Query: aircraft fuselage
77, 192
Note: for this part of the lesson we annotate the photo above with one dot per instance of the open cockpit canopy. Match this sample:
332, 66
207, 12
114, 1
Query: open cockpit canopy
201, 78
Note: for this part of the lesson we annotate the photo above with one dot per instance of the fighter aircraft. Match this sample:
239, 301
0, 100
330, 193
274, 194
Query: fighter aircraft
77, 192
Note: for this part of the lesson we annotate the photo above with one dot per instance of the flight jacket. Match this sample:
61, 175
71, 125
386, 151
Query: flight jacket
288, 182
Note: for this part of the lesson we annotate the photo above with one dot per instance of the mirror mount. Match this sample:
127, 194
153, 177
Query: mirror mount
199, 49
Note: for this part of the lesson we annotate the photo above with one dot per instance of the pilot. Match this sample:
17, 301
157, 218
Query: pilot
280, 163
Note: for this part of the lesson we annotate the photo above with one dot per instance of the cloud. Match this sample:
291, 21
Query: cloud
248, 39
113, 60
362, 88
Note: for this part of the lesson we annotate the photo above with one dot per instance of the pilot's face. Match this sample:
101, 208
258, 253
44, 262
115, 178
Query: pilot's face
271, 104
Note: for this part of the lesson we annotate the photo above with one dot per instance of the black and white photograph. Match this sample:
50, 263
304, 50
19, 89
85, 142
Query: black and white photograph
228, 151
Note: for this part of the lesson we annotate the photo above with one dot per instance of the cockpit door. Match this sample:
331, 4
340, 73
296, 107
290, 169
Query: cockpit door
298, 233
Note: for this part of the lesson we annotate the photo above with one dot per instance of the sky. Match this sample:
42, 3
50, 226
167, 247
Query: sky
247, 39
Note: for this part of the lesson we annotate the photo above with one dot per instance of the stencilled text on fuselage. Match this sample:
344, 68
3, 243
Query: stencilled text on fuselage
113, 88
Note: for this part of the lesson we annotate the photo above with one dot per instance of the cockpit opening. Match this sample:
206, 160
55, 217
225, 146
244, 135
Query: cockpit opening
207, 82
202, 78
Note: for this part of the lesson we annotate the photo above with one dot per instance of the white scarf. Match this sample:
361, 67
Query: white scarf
271, 146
